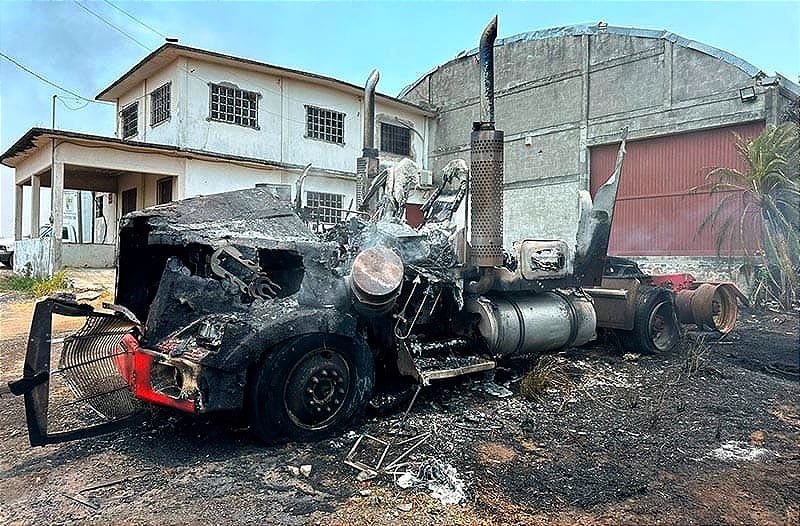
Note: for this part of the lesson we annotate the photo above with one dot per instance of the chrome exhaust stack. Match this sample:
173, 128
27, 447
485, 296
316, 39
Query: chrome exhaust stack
367, 164
486, 175
486, 166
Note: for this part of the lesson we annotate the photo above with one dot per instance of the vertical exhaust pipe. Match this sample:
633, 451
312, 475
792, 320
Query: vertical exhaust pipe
369, 114
486, 59
367, 164
486, 167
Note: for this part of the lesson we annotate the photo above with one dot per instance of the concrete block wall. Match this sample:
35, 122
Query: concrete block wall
735, 270
565, 94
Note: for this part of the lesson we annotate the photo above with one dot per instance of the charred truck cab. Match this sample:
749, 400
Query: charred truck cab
231, 302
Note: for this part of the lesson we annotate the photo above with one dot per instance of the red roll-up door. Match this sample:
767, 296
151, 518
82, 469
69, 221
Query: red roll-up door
656, 213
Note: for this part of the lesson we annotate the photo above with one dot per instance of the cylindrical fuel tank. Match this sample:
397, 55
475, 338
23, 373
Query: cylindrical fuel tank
486, 197
535, 322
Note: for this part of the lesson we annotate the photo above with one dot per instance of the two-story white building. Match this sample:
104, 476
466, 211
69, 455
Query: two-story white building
194, 122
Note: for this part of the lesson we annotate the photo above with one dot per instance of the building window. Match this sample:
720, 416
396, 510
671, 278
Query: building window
325, 208
395, 139
164, 191
128, 201
325, 125
159, 104
281, 191
234, 105
130, 120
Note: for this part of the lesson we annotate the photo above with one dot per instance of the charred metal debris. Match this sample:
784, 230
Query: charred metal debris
233, 302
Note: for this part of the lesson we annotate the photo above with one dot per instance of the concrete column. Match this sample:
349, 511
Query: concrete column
57, 210
583, 148
667, 83
35, 206
771, 110
17, 211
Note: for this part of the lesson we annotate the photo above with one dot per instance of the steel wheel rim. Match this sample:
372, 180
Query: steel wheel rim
660, 325
316, 388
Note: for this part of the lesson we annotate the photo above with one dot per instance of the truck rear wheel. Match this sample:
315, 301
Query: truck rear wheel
655, 324
310, 388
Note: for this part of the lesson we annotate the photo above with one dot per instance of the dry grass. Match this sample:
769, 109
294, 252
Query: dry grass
546, 373
695, 355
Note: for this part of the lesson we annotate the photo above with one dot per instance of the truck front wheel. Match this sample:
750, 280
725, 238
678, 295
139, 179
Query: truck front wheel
310, 388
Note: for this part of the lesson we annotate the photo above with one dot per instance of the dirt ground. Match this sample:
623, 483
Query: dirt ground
708, 434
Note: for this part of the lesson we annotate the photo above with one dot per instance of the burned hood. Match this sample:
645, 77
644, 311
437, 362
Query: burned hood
254, 216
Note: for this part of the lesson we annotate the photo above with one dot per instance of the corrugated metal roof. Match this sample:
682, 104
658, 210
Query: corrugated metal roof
594, 29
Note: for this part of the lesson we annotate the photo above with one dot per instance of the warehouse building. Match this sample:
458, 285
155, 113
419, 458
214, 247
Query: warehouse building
563, 97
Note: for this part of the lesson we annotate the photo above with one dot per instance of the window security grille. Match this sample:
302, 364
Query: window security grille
234, 105
130, 120
325, 208
159, 104
395, 139
325, 125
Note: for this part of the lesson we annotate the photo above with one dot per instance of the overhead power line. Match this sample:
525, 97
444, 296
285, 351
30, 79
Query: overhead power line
116, 28
191, 73
143, 24
47, 81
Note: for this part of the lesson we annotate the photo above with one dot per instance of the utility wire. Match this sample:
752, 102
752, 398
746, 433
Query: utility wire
80, 4
48, 81
63, 103
191, 73
151, 28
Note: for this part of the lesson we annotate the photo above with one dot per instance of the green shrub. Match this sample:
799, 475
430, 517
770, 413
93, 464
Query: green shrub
17, 282
37, 287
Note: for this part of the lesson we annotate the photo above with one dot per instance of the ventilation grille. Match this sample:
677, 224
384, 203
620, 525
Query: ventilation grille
87, 385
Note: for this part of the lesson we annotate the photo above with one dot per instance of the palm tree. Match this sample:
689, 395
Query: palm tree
762, 202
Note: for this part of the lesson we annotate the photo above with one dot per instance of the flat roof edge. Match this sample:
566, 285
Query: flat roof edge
27, 141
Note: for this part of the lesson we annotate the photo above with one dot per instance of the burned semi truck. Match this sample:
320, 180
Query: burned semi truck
231, 302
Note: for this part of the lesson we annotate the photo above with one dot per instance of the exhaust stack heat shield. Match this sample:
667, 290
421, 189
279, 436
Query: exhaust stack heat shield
486, 217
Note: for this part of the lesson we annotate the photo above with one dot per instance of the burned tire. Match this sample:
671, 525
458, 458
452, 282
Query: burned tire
655, 324
310, 388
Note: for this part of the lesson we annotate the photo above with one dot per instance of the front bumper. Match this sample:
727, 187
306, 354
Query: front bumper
158, 379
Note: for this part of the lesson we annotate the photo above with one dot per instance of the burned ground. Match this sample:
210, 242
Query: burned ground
707, 434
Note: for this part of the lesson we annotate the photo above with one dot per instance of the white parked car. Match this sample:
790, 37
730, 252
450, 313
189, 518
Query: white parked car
7, 252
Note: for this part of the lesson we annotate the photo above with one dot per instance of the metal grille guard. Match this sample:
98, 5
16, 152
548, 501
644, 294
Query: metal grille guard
87, 373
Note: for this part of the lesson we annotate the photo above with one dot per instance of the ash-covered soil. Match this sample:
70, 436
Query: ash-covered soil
707, 434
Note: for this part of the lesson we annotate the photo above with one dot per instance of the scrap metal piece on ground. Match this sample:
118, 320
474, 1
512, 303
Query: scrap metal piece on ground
360, 465
406, 446
380, 465
493, 389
